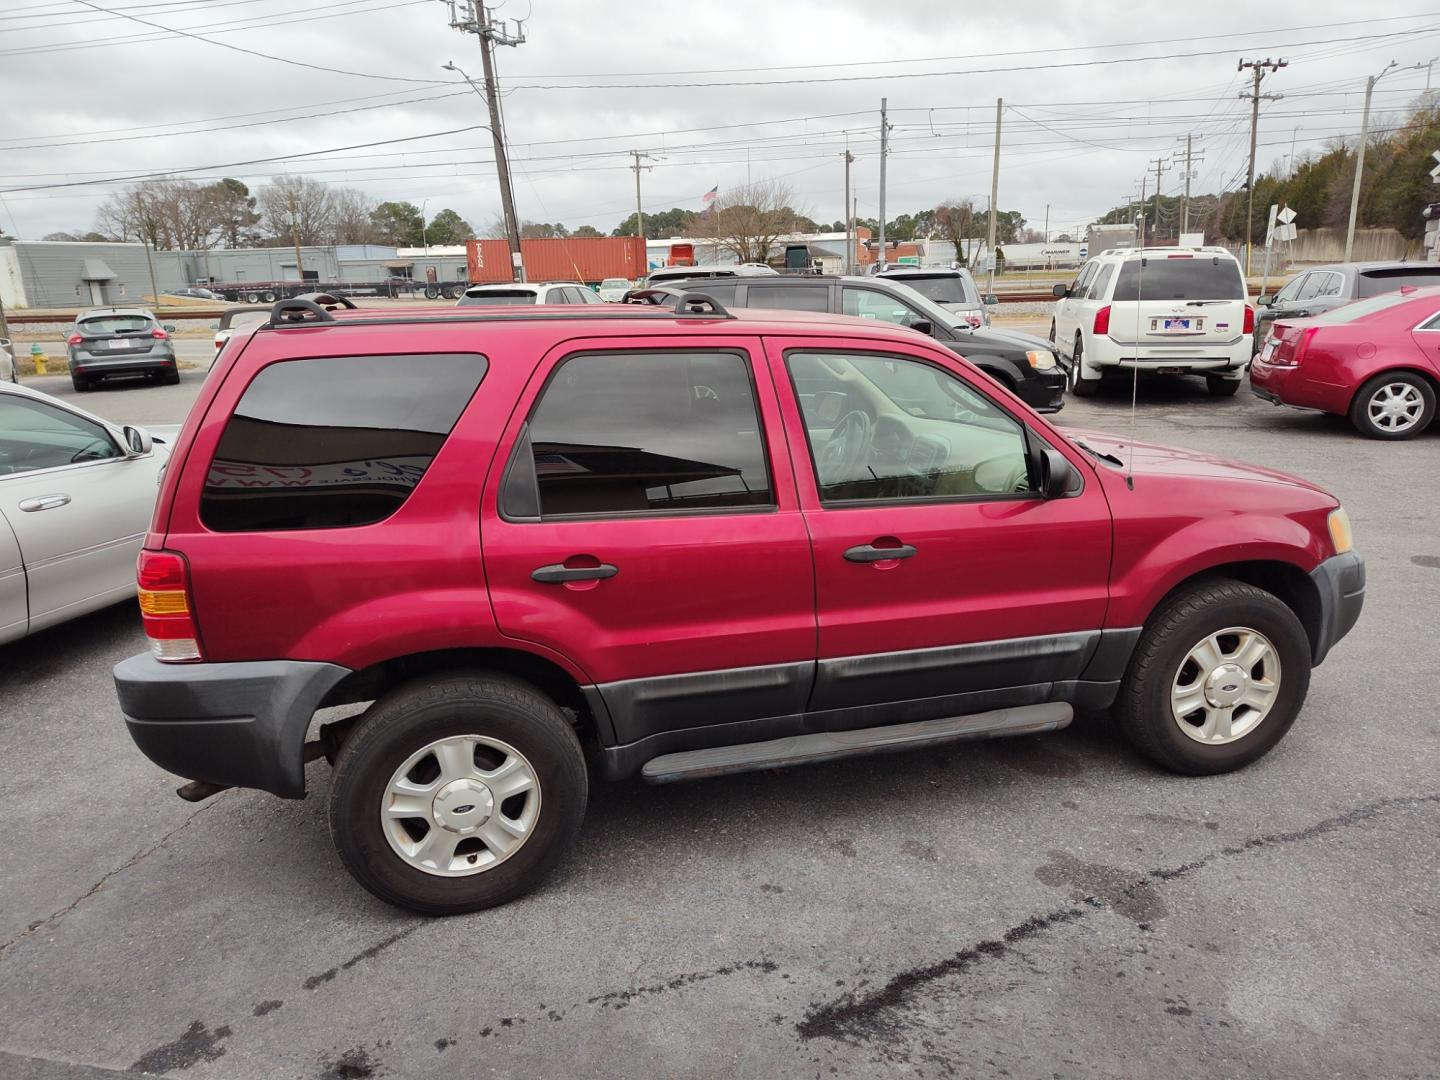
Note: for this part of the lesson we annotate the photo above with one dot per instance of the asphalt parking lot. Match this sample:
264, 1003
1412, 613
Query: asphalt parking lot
1033, 907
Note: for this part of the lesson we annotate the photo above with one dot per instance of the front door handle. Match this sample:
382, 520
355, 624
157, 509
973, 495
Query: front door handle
559, 573
43, 502
871, 553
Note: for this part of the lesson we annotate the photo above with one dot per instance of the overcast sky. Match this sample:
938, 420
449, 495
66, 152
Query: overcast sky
93, 96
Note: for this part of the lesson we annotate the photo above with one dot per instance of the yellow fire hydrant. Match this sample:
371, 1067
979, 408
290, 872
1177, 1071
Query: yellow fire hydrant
38, 358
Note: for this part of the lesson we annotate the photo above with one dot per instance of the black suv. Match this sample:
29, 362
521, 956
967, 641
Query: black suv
1027, 366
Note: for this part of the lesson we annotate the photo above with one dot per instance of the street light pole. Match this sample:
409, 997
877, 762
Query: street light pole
1360, 157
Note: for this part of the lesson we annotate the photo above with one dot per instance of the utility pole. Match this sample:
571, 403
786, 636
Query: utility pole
1360, 157
884, 152
994, 194
491, 32
639, 212
1258, 69
1160, 164
849, 221
148, 225
1190, 158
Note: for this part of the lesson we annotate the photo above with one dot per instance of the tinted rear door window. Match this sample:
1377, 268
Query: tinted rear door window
789, 297
624, 433
1179, 279
499, 298
334, 442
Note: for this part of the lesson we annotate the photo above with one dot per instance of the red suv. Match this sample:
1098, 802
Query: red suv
548, 543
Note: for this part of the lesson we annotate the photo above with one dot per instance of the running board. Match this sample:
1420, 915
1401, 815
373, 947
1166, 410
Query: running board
831, 745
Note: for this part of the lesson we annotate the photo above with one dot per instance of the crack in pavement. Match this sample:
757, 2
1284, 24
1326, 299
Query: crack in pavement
857, 1018
58, 915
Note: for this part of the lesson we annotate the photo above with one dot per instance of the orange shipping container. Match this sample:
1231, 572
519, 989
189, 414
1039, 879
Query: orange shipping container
588, 259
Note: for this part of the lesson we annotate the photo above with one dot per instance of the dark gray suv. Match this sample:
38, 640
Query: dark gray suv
120, 341
1323, 288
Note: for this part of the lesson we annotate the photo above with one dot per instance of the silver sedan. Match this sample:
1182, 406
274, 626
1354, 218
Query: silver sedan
76, 496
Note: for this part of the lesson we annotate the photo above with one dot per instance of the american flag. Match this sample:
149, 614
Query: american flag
709, 196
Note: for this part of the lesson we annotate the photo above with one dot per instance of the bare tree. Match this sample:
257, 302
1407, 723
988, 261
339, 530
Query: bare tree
298, 209
956, 221
352, 223
747, 221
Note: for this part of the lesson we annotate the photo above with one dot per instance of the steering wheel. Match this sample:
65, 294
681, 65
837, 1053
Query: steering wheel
848, 445
1001, 475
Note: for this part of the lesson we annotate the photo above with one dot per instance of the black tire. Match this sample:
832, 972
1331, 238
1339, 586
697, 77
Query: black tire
82, 386
1360, 407
1079, 385
252, 298
418, 713
1219, 387
170, 378
269, 297
451, 293
432, 293
1143, 707
1052, 331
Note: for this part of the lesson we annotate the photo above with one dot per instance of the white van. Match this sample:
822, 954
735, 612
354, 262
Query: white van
1171, 310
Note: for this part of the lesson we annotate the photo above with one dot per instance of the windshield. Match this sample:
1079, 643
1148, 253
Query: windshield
115, 324
615, 283
942, 288
1362, 308
498, 298
1179, 279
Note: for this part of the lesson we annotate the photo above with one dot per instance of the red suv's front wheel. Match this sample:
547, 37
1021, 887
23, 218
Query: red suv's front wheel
457, 793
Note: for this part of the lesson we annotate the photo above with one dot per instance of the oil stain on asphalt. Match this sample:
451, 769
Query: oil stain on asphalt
196, 1045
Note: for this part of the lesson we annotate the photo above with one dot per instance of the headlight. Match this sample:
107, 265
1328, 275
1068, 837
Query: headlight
1041, 360
1340, 534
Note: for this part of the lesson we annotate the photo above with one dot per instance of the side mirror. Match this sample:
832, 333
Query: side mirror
138, 441
1060, 292
169, 328
1264, 300
1056, 473
992, 300
925, 326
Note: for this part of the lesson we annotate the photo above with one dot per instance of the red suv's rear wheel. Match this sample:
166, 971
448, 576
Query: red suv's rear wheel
457, 793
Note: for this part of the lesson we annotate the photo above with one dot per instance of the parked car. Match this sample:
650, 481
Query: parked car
1376, 361
120, 341
1325, 288
1025, 365
951, 287
678, 546
76, 494
1179, 311
9, 370
237, 318
194, 293
613, 289
666, 274
540, 292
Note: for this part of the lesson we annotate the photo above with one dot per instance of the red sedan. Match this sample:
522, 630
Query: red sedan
1376, 361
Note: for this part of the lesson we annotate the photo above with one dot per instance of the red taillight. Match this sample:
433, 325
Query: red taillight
1249, 327
74, 339
1102, 321
164, 592
1303, 344
159, 334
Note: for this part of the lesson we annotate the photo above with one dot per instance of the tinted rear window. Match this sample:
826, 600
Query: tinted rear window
498, 298
115, 324
1361, 308
1375, 282
332, 442
943, 289
1179, 279
788, 297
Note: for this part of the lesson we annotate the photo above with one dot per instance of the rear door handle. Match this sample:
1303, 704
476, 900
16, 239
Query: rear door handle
871, 553
43, 502
559, 573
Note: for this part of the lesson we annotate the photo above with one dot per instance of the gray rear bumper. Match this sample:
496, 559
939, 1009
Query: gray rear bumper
238, 725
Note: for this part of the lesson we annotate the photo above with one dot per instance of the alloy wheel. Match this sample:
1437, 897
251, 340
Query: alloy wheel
1225, 686
1395, 406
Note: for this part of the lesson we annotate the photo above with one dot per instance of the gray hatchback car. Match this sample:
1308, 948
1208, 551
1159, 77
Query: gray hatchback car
120, 341
950, 287
1322, 288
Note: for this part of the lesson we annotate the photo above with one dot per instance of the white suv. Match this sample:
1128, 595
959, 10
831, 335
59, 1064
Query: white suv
1171, 310
528, 292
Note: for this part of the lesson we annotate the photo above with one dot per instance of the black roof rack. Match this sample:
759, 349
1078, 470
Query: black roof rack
310, 307
688, 302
